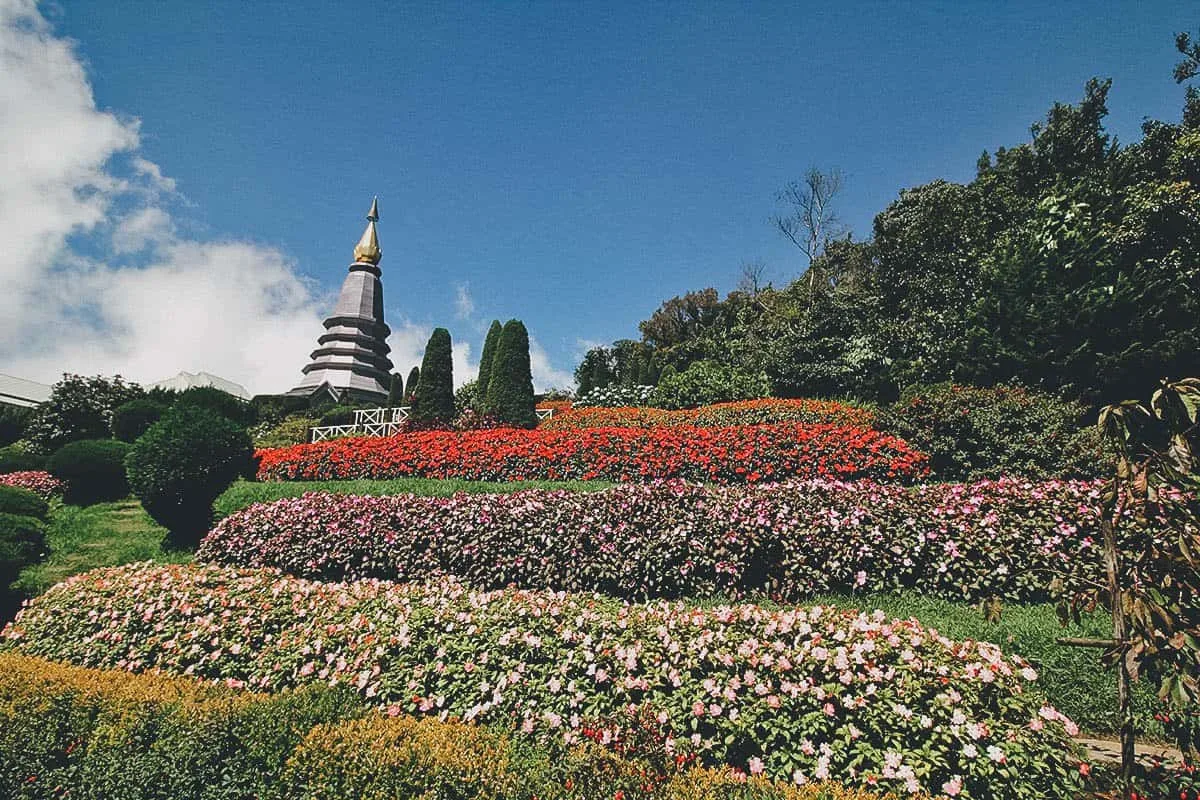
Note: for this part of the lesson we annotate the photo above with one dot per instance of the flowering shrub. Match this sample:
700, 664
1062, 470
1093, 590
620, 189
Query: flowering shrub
991, 539
796, 694
615, 396
41, 483
70, 731
743, 412
744, 454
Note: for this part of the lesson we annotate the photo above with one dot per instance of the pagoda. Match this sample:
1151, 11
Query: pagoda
351, 360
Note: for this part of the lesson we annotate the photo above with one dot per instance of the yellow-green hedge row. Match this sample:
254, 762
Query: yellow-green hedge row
82, 733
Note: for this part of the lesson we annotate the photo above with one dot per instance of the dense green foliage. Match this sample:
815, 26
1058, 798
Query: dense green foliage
15, 458
93, 469
183, 463
22, 542
219, 402
1069, 263
433, 403
130, 420
78, 408
395, 396
13, 421
486, 358
971, 433
509, 395
289, 431
627, 363
410, 385
706, 383
15, 500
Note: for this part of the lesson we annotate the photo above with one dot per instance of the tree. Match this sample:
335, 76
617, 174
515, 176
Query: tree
433, 404
751, 277
594, 371
510, 388
78, 408
395, 391
1151, 579
487, 357
410, 386
809, 221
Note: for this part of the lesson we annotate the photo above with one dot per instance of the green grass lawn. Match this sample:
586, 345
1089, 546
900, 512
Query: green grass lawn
244, 493
102, 535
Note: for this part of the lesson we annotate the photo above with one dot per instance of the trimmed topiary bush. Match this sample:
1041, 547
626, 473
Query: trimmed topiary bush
509, 395
130, 420
293, 430
219, 402
972, 433
396, 391
23, 502
410, 385
433, 405
22, 543
485, 362
179, 467
93, 471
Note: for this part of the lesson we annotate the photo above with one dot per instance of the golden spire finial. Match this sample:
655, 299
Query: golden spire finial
367, 250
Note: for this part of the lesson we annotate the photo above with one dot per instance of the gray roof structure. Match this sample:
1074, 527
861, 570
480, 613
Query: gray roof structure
21, 392
188, 380
352, 355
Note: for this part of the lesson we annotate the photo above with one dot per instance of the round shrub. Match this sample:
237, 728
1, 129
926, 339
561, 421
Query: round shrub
971, 432
219, 402
179, 467
134, 418
15, 458
93, 470
23, 502
338, 415
814, 692
293, 430
22, 543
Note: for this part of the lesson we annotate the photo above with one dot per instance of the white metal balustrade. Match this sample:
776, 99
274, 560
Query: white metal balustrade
382, 422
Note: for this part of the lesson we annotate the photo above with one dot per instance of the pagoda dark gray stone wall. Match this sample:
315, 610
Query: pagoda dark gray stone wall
352, 355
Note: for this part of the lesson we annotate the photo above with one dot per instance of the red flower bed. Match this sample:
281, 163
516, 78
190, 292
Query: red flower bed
743, 454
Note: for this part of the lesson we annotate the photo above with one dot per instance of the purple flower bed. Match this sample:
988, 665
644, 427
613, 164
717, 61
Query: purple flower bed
791, 541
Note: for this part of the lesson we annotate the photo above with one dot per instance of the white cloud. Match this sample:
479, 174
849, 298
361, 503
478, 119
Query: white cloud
464, 304
545, 376
159, 301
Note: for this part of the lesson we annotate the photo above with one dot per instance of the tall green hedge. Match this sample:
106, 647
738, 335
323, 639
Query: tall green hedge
93, 469
396, 391
410, 385
434, 402
487, 357
510, 387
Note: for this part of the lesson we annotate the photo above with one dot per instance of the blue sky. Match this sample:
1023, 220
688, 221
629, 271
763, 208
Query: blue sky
576, 164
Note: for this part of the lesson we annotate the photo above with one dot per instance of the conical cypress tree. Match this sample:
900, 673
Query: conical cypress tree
414, 378
510, 388
487, 357
396, 391
434, 403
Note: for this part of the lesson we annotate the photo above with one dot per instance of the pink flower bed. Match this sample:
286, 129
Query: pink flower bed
43, 484
673, 539
800, 694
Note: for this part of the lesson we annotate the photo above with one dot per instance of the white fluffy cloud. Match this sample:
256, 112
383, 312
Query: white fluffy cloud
140, 298
236, 309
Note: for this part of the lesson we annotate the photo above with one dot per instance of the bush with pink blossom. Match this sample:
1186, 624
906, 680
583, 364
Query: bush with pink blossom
789, 541
801, 694
41, 483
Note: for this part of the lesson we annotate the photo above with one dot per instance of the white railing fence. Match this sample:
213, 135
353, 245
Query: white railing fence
382, 422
